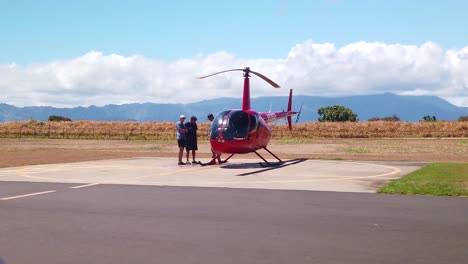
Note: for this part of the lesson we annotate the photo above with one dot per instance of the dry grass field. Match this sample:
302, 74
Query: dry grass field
165, 130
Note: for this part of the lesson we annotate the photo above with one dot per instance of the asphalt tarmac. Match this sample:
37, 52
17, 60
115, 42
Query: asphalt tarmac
124, 211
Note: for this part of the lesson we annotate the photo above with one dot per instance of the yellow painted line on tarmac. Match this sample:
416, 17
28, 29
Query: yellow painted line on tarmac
21, 172
183, 170
25, 195
7, 173
190, 169
394, 171
327, 179
168, 173
40, 178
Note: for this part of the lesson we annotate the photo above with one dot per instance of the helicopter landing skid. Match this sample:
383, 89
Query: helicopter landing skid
213, 160
263, 164
267, 163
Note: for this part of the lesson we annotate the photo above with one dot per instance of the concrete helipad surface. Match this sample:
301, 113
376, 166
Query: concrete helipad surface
323, 175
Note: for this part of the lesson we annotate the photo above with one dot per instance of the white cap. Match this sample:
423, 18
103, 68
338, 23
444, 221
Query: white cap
181, 116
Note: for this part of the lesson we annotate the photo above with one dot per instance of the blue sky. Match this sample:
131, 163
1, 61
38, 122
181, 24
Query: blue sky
166, 33
40, 31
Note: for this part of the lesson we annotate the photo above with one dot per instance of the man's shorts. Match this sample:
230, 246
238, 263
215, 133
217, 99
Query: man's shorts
181, 143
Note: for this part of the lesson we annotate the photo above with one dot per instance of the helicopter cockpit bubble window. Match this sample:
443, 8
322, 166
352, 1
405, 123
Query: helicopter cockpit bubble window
217, 123
253, 122
237, 126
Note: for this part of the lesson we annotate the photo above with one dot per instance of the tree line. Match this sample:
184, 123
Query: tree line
338, 113
334, 113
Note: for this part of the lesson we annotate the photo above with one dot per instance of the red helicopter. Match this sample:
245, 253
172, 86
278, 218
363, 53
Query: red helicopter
242, 131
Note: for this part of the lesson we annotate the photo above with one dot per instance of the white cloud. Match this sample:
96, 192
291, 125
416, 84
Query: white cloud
309, 68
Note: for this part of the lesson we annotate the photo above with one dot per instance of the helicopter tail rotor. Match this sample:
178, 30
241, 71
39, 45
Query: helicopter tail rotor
299, 113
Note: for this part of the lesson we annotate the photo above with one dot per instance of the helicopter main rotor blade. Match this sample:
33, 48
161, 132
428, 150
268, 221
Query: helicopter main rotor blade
203, 77
272, 83
246, 72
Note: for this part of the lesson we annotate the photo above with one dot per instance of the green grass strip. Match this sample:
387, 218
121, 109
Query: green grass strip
435, 179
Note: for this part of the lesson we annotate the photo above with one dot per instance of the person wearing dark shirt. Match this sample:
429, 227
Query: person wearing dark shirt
191, 142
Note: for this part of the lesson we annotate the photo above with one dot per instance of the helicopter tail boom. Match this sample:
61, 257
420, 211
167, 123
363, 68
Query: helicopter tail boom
273, 116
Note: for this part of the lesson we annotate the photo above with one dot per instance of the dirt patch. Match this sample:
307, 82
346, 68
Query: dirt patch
18, 152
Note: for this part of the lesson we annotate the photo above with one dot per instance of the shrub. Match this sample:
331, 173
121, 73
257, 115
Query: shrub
393, 118
463, 119
55, 118
429, 118
336, 113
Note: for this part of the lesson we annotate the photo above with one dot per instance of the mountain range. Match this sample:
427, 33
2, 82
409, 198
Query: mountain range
407, 108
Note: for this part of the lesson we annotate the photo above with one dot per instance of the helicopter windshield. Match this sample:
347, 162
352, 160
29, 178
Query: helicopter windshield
253, 122
217, 123
236, 125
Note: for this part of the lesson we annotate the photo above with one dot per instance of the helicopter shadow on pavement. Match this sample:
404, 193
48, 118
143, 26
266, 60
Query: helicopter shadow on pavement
257, 165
